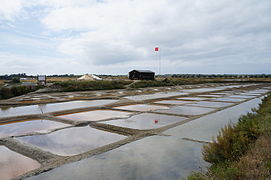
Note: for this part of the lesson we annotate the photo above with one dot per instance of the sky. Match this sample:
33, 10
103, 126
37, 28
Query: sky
116, 36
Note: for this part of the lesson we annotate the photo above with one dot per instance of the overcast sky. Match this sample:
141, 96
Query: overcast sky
116, 36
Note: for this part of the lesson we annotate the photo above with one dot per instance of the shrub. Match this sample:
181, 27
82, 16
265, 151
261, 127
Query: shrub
232, 141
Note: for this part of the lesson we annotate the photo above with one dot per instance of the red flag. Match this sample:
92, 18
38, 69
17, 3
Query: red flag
156, 49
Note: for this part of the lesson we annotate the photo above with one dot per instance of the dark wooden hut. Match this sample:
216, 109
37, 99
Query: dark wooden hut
141, 75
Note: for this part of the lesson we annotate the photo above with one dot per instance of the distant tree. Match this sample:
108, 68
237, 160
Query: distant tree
15, 80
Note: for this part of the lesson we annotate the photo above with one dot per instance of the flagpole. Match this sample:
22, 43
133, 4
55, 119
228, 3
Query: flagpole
159, 61
157, 49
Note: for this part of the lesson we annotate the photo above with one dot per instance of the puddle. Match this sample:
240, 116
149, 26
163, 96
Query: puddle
198, 90
96, 115
242, 96
210, 95
186, 110
227, 99
72, 141
152, 158
259, 91
146, 121
222, 93
193, 98
202, 90
24, 127
13, 164
52, 107
208, 126
211, 104
154, 96
172, 102
249, 94
233, 86
141, 107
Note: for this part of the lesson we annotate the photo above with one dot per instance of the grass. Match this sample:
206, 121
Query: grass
241, 151
6, 93
155, 83
159, 82
256, 163
167, 82
2, 82
60, 79
119, 82
90, 85
71, 84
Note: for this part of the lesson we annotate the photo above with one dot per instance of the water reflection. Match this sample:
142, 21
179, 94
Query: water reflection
210, 95
96, 115
206, 127
193, 98
211, 104
152, 158
141, 107
242, 96
24, 127
155, 95
229, 99
177, 102
186, 110
146, 121
72, 141
198, 90
13, 164
53, 107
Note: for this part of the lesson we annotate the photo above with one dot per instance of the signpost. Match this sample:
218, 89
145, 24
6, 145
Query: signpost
41, 79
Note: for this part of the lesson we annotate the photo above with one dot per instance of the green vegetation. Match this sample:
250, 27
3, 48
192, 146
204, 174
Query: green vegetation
188, 81
241, 151
6, 93
166, 82
15, 80
90, 85
155, 83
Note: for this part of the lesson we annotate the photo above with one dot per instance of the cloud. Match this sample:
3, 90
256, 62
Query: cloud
15, 63
123, 30
10, 9
204, 34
